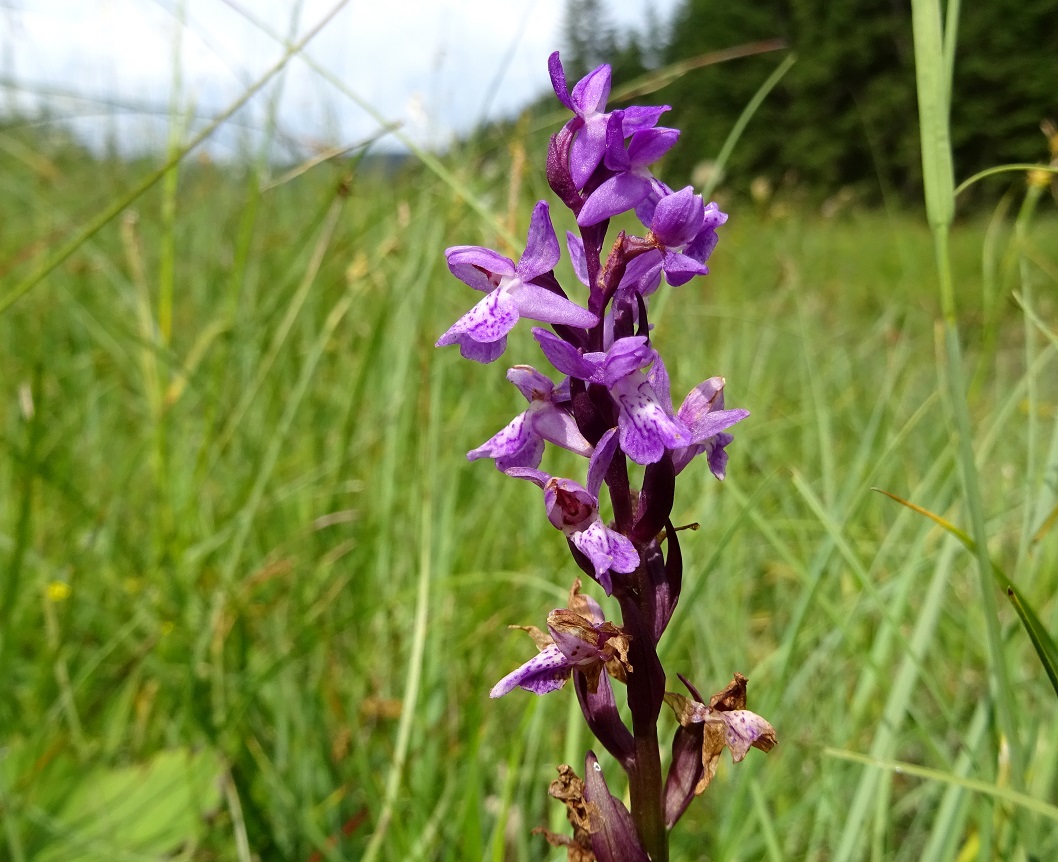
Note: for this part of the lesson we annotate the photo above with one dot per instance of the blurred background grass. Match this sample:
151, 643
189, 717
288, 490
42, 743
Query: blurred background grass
254, 596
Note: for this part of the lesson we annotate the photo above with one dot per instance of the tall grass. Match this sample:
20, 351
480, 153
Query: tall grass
254, 596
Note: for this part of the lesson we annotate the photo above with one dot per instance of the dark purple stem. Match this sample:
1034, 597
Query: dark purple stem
646, 690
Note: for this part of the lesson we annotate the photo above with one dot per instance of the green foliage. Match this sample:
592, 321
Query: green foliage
846, 114
131, 812
261, 540
252, 596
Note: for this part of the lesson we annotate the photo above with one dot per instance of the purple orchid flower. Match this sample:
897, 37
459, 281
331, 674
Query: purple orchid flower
676, 222
588, 103
521, 442
588, 644
698, 244
643, 274
632, 181
574, 510
702, 411
511, 292
701, 247
684, 231
723, 722
646, 422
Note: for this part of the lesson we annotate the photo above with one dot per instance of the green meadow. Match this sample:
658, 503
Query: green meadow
254, 596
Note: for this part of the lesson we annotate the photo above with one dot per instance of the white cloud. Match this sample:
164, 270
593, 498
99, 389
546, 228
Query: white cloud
457, 60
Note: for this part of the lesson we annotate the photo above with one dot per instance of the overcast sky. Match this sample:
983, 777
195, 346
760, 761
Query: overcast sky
438, 66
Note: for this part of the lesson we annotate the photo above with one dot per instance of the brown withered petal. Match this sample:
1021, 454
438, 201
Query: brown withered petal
688, 712
725, 722
574, 851
584, 605
592, 672
618, 668
733, 696
569, 789
575, 634
572, 623
618, 642
712, 747
541, 639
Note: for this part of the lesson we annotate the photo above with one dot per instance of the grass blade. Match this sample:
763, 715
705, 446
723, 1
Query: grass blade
743, 121
934, 105
1041, 641
1029, 803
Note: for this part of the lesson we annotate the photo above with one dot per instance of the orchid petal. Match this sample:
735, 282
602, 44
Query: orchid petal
678, 218
481, 332
616, 195
591, 92
539, 303
480, 268
541, 247
530, 474
600, 460
547, 671
745, 730
646, 428
531, 383
608, 551
570, 507
558, 80
648, 145
514, 446
681, 268
638, 117
558, 427
643, 273
625, 357
565, 357
577, 257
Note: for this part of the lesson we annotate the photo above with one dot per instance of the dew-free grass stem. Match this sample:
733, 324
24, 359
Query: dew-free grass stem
934, 51
1002, 691
1032, 349
167, 257
213, 635
409, 715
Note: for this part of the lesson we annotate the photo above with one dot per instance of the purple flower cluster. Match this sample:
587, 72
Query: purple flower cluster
612, 405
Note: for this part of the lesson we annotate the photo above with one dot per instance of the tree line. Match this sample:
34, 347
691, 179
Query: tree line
845, 115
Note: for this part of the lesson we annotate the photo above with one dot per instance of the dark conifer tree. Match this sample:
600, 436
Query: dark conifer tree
846, 113
589, 37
